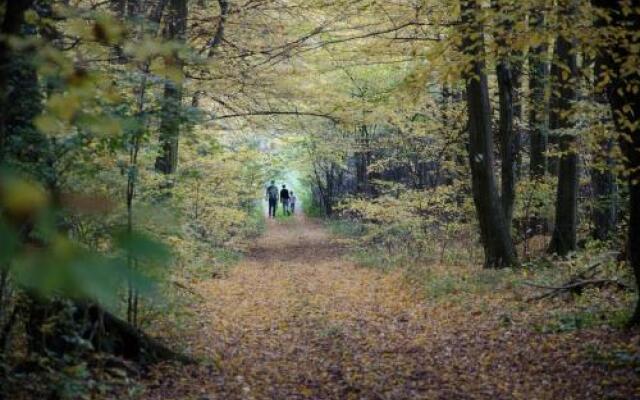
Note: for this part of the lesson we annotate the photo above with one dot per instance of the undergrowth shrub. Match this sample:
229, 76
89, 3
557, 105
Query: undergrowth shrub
309, 205
412, 226
445, 269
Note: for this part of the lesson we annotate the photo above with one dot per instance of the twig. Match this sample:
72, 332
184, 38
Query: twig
580, 284
579, 281
574, 287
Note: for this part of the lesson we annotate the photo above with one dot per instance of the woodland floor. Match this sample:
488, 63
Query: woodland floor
297, 320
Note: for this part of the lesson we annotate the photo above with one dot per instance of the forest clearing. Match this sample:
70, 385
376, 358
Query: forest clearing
312, 199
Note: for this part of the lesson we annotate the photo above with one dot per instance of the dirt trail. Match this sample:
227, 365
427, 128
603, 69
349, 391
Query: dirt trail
297, 321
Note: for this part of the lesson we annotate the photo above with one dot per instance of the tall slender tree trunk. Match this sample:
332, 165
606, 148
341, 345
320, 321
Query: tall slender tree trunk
605, 193
603, 178
538, 121
495, 234
565, 74
517, 65
363, 161
135, 8
167, 160
620, 37
11, 25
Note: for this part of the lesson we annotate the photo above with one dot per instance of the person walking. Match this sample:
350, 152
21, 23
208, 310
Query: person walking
284, 199
292, 202
272, 196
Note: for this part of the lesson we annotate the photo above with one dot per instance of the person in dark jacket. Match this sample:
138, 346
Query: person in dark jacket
284, 199
272, 196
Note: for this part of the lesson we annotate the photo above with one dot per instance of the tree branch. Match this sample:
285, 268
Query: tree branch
266, 113
219, 35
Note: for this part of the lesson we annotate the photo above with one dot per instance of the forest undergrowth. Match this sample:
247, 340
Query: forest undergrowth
301, 318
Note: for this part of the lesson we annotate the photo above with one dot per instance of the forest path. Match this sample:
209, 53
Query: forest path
298, 320
295, 320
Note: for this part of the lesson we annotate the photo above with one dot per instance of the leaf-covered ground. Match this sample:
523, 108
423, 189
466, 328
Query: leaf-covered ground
297, 321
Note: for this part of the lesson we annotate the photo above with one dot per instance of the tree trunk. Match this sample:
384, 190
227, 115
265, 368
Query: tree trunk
620, 34
603, 183
507, 132
537, 111
565, 74
21, 140
14, 69
219, 33
167, 161
13, 18
495, 234
603, 178
363, 160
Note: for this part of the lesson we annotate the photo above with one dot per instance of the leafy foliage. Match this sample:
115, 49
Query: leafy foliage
136, 138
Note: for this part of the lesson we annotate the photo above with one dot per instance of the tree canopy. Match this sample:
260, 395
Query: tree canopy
447, 139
